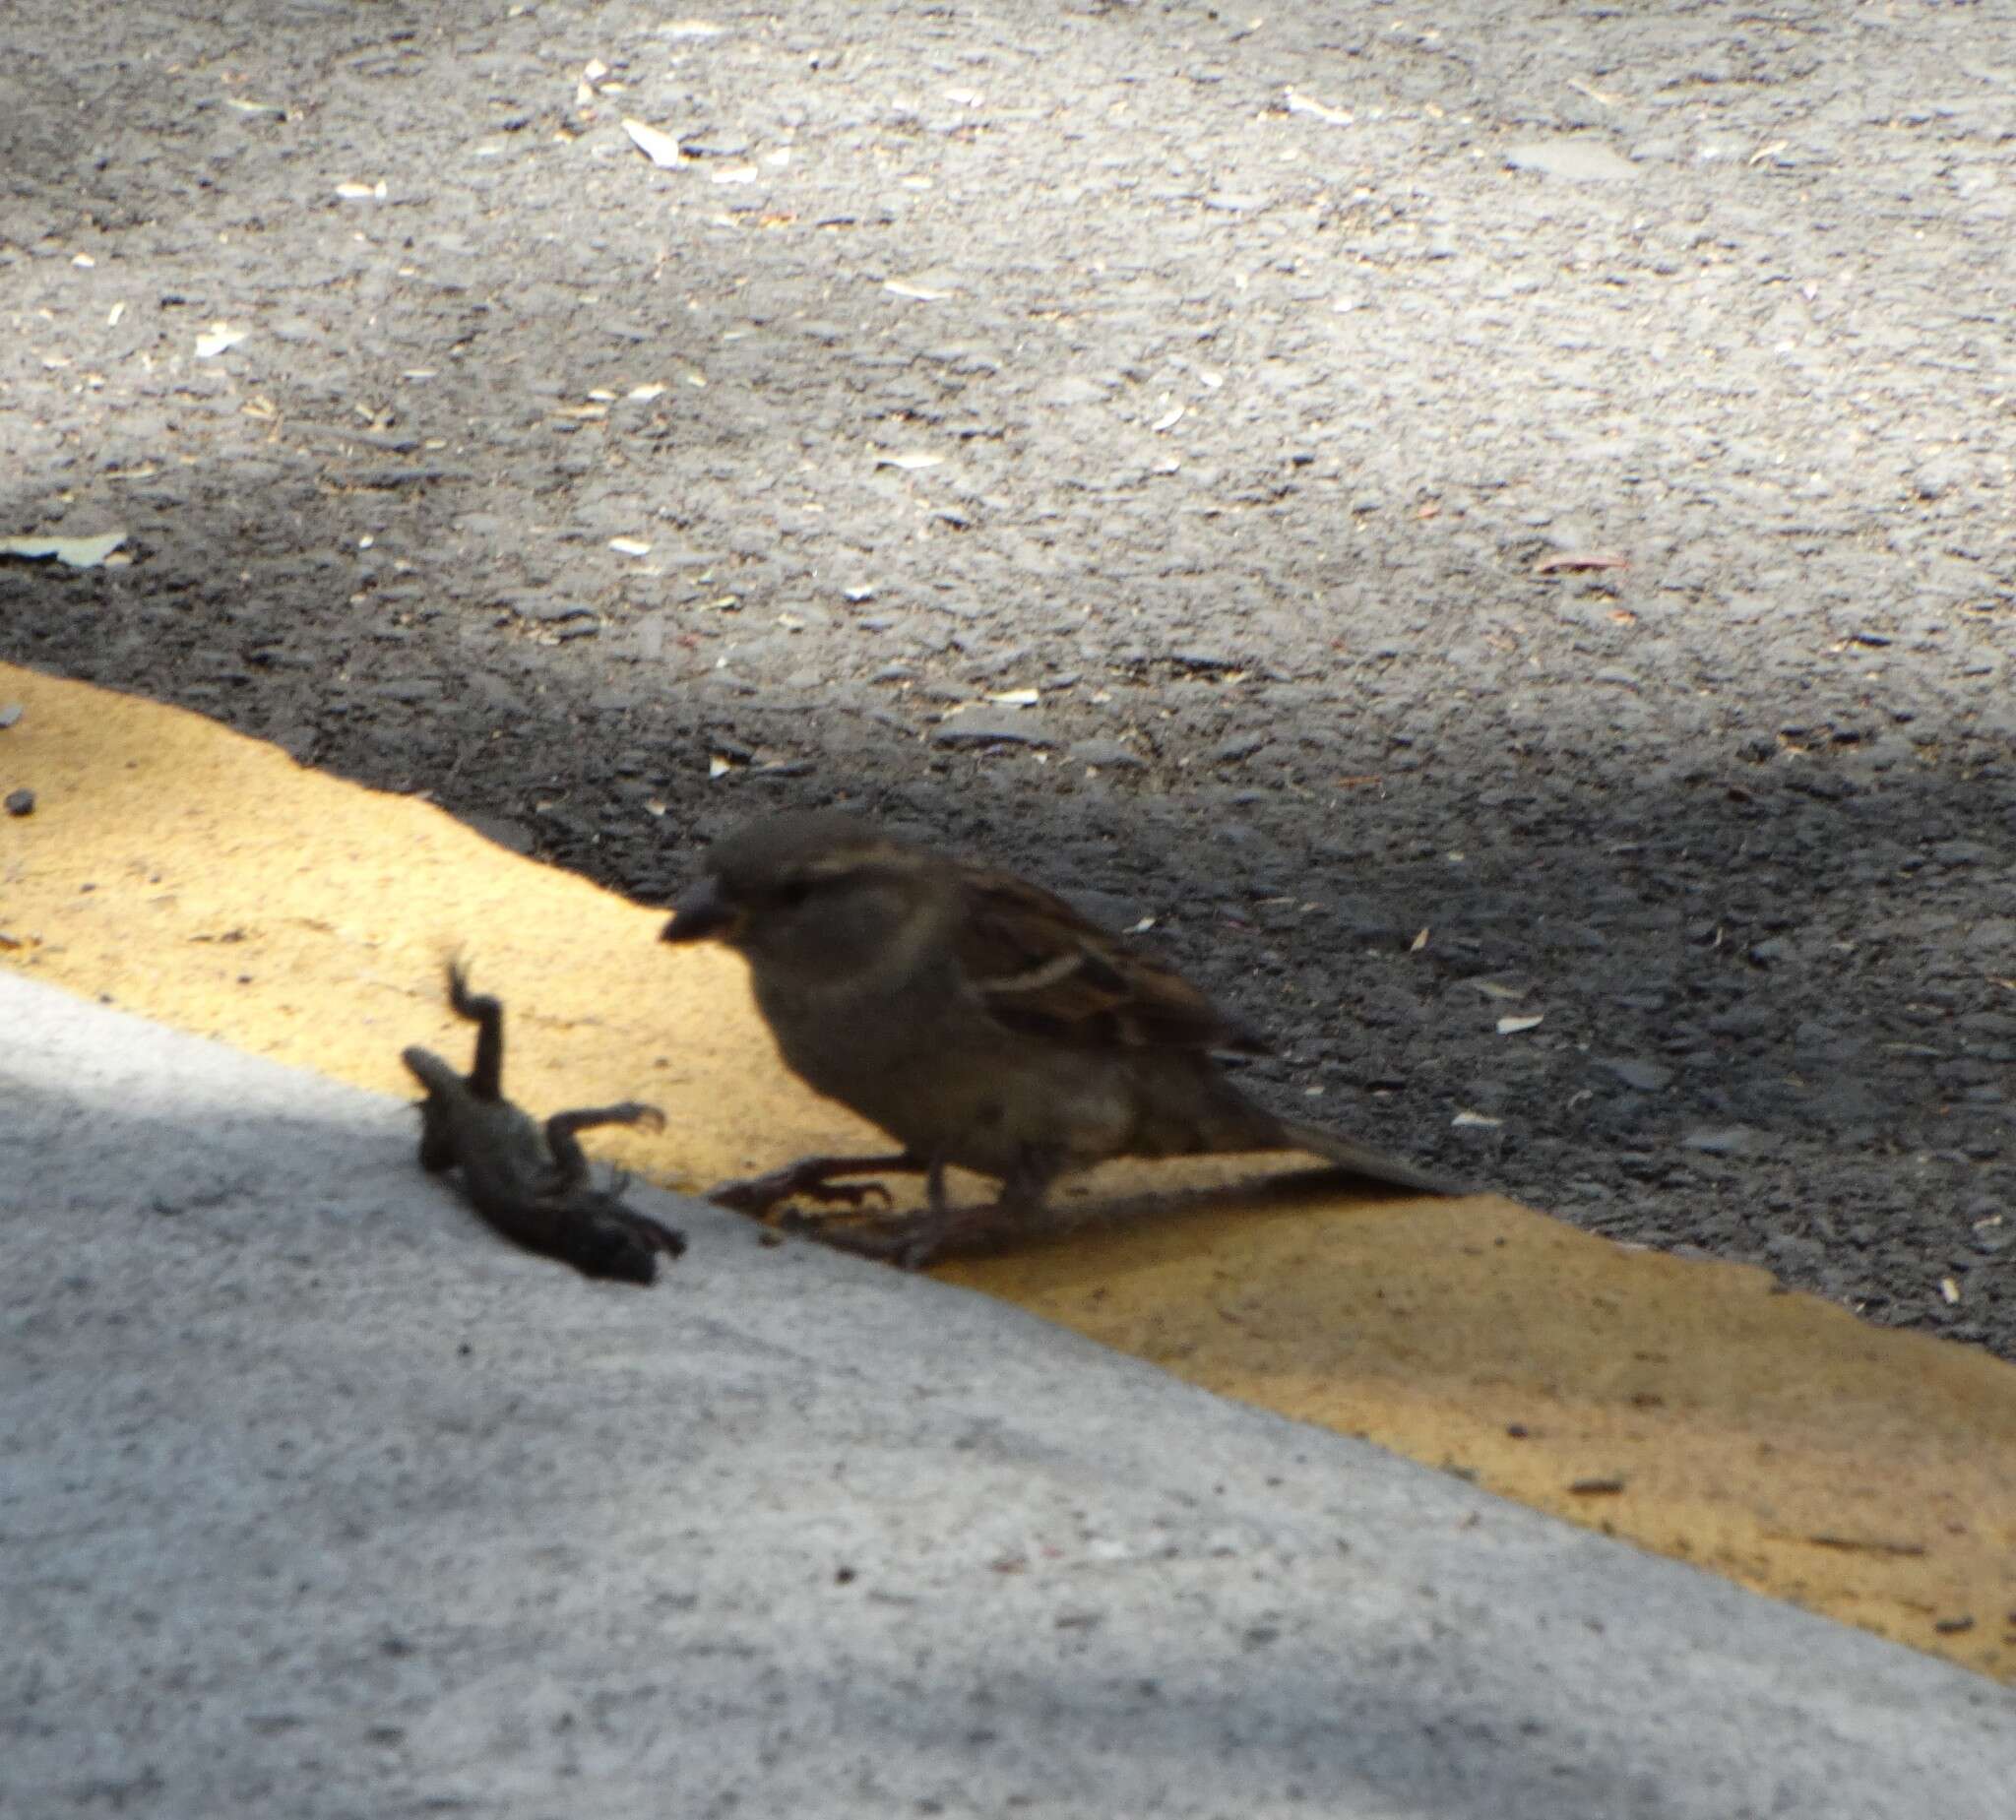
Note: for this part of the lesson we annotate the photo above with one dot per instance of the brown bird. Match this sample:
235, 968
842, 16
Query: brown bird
981, 1021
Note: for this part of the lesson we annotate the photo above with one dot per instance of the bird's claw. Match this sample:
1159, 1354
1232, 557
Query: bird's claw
758, 1194
906, 1245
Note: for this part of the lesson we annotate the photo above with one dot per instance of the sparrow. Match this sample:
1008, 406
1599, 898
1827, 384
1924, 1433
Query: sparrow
981, 1021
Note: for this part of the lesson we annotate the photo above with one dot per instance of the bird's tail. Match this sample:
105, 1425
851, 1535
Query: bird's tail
1298, 1134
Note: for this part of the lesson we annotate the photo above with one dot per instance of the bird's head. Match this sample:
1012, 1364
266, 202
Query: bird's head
814, 895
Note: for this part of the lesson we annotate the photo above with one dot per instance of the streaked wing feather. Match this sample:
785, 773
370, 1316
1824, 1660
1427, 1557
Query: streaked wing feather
1043, 968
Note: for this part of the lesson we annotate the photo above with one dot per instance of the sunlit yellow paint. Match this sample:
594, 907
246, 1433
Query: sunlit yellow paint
206, 880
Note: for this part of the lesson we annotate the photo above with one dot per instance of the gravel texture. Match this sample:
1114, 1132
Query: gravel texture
1504, 519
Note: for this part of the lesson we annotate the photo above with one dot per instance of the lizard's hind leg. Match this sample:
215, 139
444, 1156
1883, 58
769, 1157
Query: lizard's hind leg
610, 1239
569, 1159
487, 1078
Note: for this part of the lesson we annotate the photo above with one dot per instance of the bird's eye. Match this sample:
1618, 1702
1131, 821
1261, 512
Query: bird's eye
791, 896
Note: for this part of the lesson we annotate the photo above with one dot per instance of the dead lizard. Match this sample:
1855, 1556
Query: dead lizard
531, 1181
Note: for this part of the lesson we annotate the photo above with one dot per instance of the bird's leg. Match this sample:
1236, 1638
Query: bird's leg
813, 1177
941, 1230
1028, 1186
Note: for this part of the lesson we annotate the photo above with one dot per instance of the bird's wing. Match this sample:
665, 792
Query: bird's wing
1041, 967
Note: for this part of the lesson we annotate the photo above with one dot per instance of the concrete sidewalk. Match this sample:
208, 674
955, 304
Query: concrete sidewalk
318, 1500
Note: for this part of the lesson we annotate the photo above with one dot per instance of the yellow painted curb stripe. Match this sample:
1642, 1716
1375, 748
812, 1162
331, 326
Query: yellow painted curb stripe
206, 880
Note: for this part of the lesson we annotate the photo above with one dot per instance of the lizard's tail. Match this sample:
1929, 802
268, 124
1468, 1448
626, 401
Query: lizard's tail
430, 1070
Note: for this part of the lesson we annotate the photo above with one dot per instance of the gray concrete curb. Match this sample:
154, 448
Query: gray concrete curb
319, 1501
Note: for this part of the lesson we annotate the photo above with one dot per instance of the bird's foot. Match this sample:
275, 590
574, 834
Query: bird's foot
812, 1180
913, 1242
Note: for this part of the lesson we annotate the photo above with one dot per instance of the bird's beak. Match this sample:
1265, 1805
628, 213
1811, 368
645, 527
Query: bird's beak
701, 915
